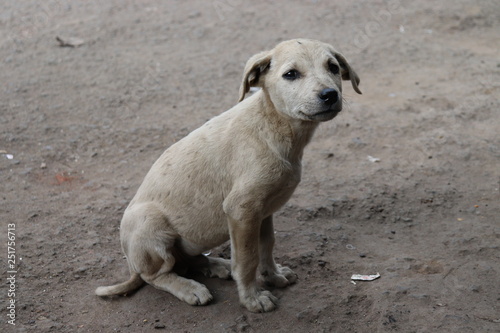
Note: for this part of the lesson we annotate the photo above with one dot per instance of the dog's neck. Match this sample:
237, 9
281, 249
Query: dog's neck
288, 135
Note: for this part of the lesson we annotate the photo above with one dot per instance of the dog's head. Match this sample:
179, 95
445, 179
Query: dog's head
302, 78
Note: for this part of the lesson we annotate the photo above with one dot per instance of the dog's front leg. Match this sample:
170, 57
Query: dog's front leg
245, 260
272, 273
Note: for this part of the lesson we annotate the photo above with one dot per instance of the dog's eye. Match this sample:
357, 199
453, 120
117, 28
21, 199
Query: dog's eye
333, 68
291, 75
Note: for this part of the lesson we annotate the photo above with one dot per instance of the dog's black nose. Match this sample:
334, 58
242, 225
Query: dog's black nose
329, 96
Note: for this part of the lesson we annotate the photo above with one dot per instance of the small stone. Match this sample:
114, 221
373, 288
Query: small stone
304, 313
401, 290
420, 296
475, 288
82, 269
243, 327
391, 319
194, 14
241, 319
25, 172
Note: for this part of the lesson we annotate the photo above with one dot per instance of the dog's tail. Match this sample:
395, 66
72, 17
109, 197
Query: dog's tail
132, 284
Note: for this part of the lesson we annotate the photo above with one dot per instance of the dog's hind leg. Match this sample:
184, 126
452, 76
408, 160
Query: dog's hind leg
211, 267
149, 249
165, 279
187, 290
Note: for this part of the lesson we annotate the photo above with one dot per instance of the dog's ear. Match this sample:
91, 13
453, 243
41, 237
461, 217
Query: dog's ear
347, 72
255, 67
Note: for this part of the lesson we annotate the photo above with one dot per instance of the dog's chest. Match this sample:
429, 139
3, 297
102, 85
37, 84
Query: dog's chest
283, 189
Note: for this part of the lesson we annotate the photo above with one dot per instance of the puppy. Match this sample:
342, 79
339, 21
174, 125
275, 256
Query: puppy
225, 180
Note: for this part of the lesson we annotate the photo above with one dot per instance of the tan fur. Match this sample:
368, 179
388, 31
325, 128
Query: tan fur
226, 179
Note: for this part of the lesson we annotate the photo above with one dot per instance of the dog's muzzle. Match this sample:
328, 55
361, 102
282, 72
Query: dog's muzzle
331, 105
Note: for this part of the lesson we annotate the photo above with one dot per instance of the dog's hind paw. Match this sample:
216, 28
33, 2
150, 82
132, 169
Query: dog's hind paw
283, 277
218, 267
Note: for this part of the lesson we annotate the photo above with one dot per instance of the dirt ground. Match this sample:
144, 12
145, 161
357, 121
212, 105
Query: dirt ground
81, 126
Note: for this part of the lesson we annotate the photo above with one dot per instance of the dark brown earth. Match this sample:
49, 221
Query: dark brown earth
84, 125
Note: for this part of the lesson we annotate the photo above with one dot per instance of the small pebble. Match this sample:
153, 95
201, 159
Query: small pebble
475, 288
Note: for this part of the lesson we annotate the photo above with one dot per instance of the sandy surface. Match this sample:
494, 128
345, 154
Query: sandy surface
83, 125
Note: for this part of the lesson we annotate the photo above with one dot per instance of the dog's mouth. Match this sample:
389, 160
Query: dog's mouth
323, 115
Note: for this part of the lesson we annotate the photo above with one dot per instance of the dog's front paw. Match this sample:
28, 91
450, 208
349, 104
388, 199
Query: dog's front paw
282, 277
260, 301
199, 295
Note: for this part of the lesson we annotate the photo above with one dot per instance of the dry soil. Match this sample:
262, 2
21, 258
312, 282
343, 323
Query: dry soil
81, 126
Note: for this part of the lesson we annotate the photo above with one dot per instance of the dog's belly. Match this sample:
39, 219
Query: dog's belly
201, 230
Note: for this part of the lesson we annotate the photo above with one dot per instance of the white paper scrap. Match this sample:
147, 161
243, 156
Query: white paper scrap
365, 277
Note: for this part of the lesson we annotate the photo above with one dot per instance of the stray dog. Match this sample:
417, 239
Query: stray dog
227, 178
